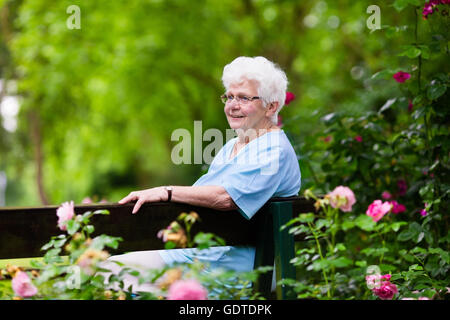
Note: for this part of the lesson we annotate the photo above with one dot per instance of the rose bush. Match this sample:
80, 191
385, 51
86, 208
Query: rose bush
402, 157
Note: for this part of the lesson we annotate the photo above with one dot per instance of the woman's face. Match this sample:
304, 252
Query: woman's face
251, 115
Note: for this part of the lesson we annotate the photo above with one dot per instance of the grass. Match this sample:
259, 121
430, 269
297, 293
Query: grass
23, 262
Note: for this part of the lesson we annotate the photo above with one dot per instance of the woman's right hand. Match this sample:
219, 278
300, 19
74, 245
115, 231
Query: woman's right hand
157, 194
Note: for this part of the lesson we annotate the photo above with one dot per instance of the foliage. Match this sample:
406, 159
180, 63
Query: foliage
400, 153
340, 247
108, 96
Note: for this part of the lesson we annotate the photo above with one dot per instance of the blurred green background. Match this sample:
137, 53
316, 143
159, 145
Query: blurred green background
90, 111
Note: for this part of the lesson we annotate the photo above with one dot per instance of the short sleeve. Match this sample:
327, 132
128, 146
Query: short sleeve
252, 185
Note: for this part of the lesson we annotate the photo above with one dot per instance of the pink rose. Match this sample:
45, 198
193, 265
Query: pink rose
162, 234
358, 138
22, 285
65, 212
187, 290
423, 212
289, 97
386, 195
86, 200
386, 291
397, 207
343, 198
386, 277
378, 209
410, 105
402, 187
401, 76
431, 6
280, 121
427, 10
377, 280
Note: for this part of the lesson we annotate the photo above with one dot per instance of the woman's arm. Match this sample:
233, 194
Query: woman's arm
215, 197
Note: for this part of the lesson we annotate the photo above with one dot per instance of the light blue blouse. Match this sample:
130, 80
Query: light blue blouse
266, 167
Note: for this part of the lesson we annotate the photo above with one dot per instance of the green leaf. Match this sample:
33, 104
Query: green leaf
36, 264
415, 228
411, 52
321, 265
362, 263
419, 237
89, 229
436, 90
365, 222
320, 223
86, 216
330, 118
306, 217
396, 225
399, 5
443, 254
408, 257
72, 226
418, 250
59, 243
383, 74
375, 252
395, 31
387, 268
418, 100
425, 51
299, 230
207, 240
170, 245
48, 245
405, 235
346, 225
52, 256
387, 105
103, 211
341, 262
103, 240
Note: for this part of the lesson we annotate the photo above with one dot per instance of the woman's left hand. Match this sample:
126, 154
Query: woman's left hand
157, 194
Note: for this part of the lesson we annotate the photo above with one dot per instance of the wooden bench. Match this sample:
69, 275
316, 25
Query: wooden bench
23, 231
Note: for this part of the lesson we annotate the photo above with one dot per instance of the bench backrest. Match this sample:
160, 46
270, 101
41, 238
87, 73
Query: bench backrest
23, 231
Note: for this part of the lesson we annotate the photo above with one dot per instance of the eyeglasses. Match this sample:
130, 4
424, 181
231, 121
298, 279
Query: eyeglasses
239, 99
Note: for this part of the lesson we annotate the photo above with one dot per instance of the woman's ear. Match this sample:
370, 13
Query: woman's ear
272, 108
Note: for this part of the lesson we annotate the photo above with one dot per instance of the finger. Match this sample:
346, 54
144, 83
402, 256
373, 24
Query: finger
128, 198
137, 206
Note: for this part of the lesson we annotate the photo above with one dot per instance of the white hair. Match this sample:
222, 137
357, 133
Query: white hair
272, 81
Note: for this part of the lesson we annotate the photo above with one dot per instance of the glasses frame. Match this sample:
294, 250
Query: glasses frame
238, 99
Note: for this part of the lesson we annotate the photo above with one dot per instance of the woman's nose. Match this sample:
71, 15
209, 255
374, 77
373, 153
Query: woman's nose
234, 105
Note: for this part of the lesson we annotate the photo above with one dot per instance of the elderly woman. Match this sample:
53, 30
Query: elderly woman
258, 164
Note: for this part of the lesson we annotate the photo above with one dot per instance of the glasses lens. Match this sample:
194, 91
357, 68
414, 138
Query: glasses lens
224, 98
244, 99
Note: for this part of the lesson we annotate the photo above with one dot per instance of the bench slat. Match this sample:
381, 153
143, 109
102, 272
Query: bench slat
23, 231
